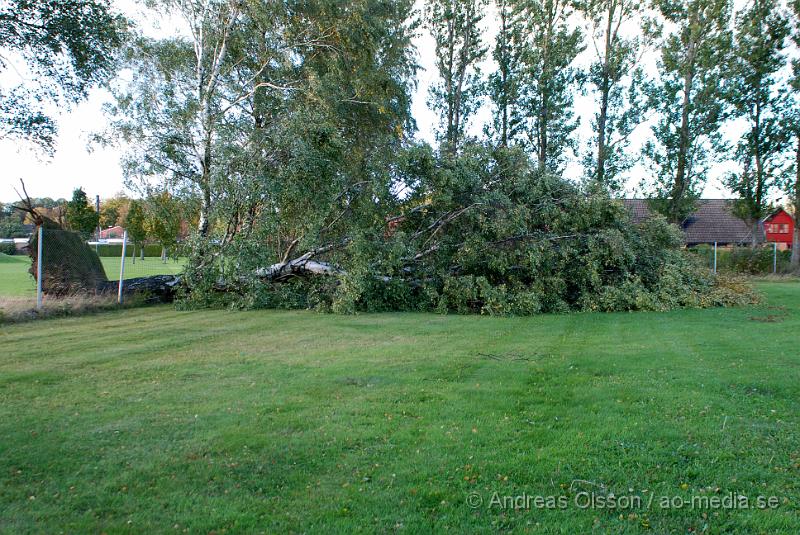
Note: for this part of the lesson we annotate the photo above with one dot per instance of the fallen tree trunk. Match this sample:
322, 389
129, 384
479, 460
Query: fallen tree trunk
296, 268
300, 266
153, 289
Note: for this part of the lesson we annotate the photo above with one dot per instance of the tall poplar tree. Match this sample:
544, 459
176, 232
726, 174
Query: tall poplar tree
620, 33
550, 78
757, 96
792, 183
689, 98
455, 27
505, 83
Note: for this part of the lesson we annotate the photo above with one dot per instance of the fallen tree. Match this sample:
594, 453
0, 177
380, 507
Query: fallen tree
482, 233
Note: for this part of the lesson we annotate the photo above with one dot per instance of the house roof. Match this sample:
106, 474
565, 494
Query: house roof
713, 221
775, 213
111, 231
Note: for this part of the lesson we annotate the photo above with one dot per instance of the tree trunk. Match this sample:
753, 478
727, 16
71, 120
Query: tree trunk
542, 156
302, 265
758, 201
545, 91
679, 188
154, 289
504, 75
207, 80
450, 90
462, 73
754, 240
680, 185
605, 88
203, 223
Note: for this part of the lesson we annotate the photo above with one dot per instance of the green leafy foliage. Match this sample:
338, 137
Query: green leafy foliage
756, 96
505, 85
68, 45
136, 223
617, 81
163, 219
488, 232
688, 96
80, 216
540, 41
455, 26
8, 248
11, 227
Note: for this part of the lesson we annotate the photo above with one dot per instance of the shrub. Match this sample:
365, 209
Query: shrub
115, 250
8, 248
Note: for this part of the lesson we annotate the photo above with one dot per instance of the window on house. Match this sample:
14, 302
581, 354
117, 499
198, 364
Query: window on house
784, 229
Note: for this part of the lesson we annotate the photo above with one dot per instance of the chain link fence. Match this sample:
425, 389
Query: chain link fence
74, 270
139, 261
745, 259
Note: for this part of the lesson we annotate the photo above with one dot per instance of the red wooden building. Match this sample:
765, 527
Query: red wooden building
111, 233
779, 227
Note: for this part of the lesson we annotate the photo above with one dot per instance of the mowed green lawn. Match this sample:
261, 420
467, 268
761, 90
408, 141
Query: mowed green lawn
152, 420
15, 281
141, 268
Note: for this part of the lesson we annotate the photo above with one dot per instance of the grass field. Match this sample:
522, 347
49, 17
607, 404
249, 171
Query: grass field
141, 268
14, 278
153, 420
15, 281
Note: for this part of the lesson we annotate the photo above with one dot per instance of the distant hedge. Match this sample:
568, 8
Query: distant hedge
115, 250
8, 248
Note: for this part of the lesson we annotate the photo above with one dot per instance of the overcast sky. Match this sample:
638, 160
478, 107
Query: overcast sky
98, 170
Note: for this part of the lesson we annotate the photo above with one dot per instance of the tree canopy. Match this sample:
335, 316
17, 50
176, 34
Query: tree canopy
67, 45
288, 125
80, 216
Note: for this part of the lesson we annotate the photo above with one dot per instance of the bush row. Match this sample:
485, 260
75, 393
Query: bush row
115, 250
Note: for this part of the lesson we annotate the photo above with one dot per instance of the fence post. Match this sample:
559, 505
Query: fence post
122, 266
775, 258
39, 270
715, 258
